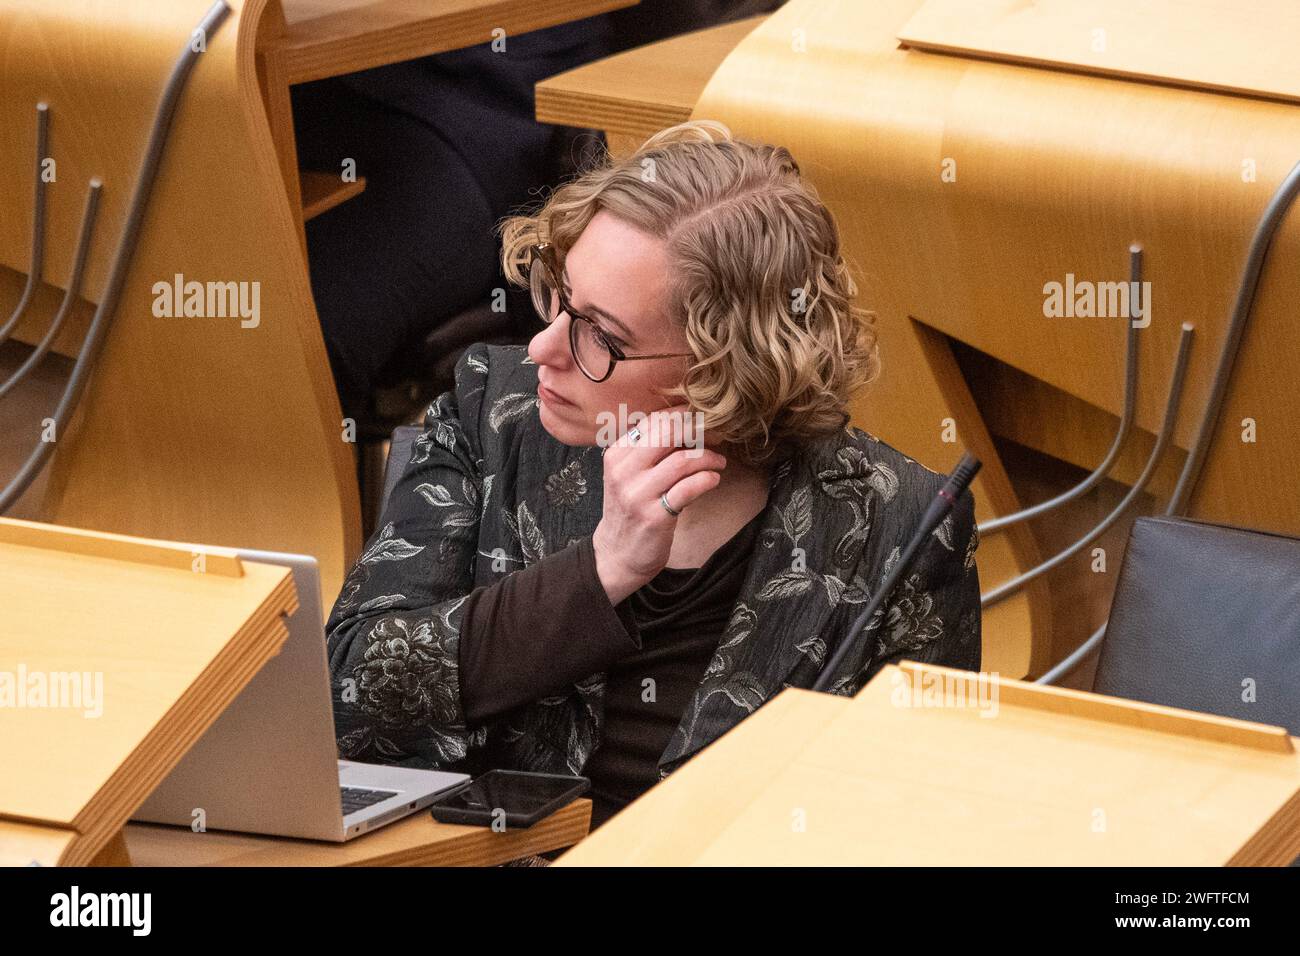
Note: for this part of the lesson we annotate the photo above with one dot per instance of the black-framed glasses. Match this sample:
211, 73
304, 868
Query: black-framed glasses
592, 349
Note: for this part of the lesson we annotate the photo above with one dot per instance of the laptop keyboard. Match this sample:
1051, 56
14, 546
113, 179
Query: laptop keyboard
358, 798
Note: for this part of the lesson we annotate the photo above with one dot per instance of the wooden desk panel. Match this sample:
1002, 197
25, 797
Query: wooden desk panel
332, 37
103, 610
689, 809
920, 769
643, 90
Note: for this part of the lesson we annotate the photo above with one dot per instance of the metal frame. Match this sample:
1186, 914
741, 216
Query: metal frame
1004, 591
1269, 222
38, 223
1121, 434
70, 295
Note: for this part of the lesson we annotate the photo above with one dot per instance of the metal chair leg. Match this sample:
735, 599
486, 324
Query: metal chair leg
1125, 422
1004, 591
38, 223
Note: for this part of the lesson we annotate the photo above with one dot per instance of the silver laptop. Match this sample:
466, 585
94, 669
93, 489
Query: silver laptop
269, 764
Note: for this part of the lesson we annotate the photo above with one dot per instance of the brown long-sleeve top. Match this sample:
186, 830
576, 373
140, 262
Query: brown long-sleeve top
544, 627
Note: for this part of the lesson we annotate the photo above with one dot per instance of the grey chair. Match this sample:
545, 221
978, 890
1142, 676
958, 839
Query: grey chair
1206, 617
400, 445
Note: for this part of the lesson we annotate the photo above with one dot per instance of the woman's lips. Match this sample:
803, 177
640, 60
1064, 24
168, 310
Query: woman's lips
550, 396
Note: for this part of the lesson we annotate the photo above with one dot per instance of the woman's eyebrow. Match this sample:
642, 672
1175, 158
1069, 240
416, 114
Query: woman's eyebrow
595, 309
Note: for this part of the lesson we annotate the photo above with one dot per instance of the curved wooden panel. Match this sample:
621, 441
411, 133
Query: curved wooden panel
964, 187
210, 429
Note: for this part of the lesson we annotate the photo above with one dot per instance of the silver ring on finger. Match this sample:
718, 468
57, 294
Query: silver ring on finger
663, 500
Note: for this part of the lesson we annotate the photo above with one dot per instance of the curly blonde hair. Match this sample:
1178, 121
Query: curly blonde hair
758, 280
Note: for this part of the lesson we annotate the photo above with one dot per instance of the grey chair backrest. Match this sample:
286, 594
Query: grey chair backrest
399, 456
1207, 617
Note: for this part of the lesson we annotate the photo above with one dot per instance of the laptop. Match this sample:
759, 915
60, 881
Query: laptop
269, 764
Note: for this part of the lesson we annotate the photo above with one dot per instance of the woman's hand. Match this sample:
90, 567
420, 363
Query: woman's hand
635, 535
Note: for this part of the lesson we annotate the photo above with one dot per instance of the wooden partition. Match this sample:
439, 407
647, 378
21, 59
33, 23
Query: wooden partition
220, 429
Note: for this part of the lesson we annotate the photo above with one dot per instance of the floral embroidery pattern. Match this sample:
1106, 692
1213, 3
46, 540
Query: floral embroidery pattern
401, 677
385, 548
566, 486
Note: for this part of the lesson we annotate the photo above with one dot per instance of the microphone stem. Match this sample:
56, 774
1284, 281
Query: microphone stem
939, 508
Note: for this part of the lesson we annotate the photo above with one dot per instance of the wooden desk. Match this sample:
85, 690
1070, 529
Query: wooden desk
120, 700
633, 94
932, 766
416, 841
332, 37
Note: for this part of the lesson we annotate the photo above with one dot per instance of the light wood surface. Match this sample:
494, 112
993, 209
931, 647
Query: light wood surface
682, 814
642, 90
894, 777
149, 640
113, 853
1161, 40
1017, 406
1088, 165
418, 840
333, 37
321, 192
270, 60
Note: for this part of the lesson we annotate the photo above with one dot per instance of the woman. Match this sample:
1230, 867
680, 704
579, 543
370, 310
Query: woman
553, 590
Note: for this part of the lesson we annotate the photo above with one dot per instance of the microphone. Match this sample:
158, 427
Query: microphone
942, 504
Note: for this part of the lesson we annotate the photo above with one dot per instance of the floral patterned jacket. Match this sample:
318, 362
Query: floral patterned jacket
488, 490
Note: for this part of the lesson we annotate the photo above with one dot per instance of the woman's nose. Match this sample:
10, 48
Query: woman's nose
550, 346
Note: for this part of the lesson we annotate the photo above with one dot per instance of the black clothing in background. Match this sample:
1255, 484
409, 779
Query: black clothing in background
448, 145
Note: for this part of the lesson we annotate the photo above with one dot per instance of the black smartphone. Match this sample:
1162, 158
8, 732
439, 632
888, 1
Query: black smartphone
511, 797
